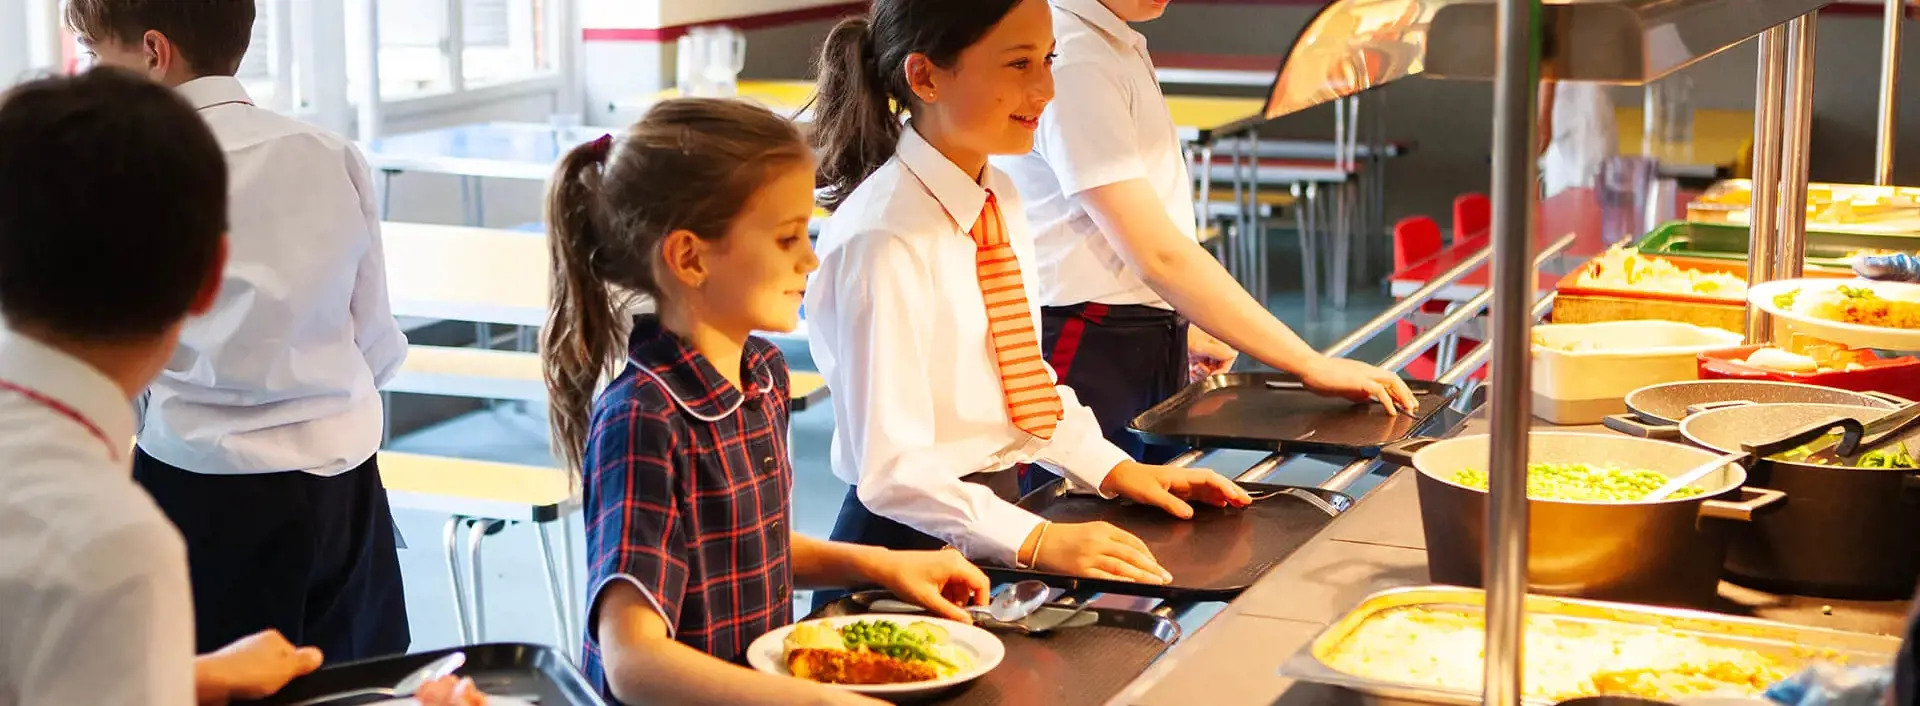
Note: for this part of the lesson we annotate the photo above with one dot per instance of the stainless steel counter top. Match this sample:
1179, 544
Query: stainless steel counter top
1235, 658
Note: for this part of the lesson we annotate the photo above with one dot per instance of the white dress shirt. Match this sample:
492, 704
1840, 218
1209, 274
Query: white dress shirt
94, 600
1108, 123
899, 330
1583, 137
283, 373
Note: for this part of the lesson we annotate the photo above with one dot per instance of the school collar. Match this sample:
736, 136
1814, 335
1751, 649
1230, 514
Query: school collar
41, 370
689, 378
959, 194
1103, 19
209, 91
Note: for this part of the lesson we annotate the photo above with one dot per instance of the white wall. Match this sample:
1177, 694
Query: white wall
655, 14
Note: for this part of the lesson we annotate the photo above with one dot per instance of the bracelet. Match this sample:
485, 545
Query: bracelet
1037, 543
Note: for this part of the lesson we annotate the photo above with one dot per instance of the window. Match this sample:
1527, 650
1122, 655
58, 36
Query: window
447, 46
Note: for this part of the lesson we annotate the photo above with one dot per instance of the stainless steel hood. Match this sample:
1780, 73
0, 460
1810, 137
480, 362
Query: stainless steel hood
1354, 45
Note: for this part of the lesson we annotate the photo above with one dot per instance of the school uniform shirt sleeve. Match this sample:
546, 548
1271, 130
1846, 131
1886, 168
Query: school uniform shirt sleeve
1086, 134
375, 330
1078, 450
115, 624
635, 487
889, 415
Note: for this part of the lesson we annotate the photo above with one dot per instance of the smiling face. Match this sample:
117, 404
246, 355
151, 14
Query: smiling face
758, 271
1137, 10
989, 100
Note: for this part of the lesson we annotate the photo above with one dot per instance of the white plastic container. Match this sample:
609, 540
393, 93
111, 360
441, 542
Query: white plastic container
1608, 360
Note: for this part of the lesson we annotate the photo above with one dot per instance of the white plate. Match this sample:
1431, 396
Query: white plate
1853, 335
768, 654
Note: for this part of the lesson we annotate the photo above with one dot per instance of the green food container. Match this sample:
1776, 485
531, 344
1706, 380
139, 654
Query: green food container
1729, 242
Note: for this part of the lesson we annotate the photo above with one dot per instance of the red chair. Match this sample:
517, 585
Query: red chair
1417, 238
1472, 218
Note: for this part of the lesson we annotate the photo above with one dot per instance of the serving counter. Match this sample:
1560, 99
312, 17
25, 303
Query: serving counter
1235, 658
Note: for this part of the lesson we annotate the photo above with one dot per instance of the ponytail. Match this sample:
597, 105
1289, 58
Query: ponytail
855, 125
863, 85
580, 336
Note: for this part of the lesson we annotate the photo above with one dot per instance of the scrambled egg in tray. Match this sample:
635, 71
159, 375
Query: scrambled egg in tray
1624, 268
872, 652
1564, 659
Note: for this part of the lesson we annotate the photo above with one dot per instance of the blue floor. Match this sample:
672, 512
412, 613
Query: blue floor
516, 596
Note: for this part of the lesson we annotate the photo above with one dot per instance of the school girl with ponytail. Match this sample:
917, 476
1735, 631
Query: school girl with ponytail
922, 315
702, 206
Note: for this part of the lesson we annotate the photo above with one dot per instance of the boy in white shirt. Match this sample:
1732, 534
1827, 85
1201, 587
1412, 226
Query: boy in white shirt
260, 434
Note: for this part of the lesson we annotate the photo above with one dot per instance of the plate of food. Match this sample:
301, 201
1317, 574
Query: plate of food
1857, 313
892, 657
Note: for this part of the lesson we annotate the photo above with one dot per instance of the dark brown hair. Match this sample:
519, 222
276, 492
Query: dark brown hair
211, 34
863, 82
690, 164
124, 272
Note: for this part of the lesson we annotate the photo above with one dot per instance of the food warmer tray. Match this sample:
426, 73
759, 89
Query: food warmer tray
499, 669
1213, 557
1729, 242
1083, 664
1792, 645
1273, 412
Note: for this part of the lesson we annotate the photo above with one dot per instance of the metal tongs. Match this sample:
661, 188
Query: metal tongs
1856, 439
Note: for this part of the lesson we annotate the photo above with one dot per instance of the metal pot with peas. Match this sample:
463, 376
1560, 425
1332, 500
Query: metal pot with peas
1845, 531
1590, 534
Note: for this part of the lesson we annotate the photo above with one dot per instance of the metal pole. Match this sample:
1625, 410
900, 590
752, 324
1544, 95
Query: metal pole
1768, 121
1889, 93
1790, 256
1516, 80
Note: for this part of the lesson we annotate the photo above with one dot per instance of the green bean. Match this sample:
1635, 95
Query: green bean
1581, 482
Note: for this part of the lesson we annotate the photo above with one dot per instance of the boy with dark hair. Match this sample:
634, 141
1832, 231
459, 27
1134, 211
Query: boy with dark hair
112, 232
260, 433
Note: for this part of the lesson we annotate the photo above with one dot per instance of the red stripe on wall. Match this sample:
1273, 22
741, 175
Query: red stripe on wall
749, 22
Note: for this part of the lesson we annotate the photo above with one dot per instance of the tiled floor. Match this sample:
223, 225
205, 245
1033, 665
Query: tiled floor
516, 597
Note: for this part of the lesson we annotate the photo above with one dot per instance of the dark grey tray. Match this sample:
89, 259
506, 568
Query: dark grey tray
498, 668
1213, 557
1087, 664
1270, 412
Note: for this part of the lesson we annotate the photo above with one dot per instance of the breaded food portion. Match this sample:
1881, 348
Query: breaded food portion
855, 667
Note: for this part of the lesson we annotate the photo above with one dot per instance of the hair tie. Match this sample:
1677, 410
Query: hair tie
603, 146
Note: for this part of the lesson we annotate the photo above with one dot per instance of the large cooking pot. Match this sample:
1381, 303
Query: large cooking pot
1842, 533
1667, 552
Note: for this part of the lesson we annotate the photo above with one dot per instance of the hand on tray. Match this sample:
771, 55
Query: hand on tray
450, 691
1360, 382
1207, 355
1096, 550
1170, 488
942, 580
252, 668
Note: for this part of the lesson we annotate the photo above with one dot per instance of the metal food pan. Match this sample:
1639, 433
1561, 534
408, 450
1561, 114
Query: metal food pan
1792, 645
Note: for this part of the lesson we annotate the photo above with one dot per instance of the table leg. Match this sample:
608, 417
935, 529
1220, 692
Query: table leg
460, 618
1257, 248
1238, 266
477, 531
385, 187
1309, 253
1342, 245
556, 593
574, 590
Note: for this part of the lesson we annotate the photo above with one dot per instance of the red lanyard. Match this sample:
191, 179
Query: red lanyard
63, 410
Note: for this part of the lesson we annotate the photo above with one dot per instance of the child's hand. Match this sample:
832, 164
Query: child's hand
254, 667
1098, 550
1360, 382
450, 691
942, 581
1170, 488
1207, 355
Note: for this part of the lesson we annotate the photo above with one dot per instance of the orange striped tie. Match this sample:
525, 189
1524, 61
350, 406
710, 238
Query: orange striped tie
1032, 402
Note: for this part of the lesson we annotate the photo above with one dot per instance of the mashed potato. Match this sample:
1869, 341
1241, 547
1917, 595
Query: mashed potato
1564, 659
1624, 268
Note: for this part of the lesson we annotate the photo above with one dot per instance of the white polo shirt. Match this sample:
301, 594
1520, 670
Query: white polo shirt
1108, 123
94, 600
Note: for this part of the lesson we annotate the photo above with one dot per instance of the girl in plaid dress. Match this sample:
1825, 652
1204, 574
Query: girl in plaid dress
703, 207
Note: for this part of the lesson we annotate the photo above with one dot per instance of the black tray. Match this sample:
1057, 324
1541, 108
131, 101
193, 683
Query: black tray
1271, 412
502, 669
1086, 664
1213, 556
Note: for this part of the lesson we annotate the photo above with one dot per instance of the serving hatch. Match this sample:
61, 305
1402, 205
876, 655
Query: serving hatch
1793, 647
